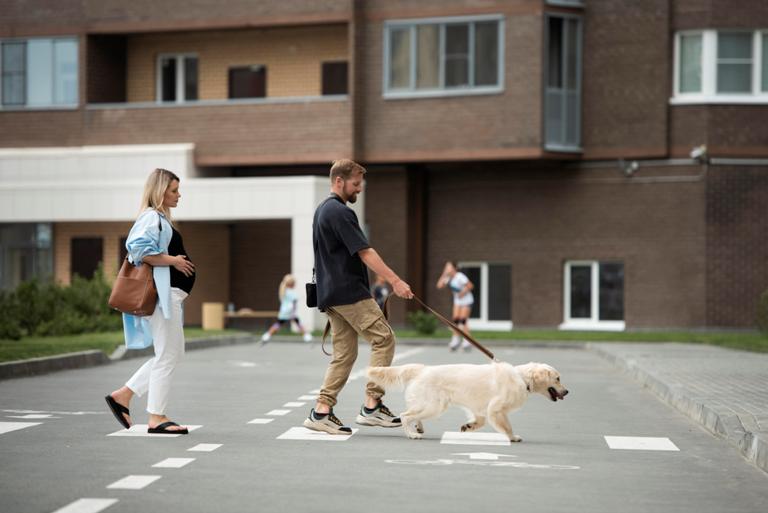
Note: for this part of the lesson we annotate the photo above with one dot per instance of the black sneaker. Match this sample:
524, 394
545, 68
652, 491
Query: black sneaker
380, 416
328, 423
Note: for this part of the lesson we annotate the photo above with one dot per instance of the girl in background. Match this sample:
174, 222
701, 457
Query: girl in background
463, 299
288, 301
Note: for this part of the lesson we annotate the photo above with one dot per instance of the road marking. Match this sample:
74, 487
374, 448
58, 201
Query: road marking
173, 462
32, 416
407, 354
307, 398
205, 447
7, 427
302, 433
240, 363
58, 412
278, 413
640, 443
133, 482
260, 421
474, 438
86, 506
293, 405
483, 455
141, 430
511, 464
315, 391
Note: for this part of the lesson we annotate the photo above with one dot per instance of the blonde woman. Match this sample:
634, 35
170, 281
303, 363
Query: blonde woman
287, 313
463, 299
154, 240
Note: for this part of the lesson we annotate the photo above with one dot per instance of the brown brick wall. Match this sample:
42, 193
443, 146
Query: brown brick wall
737, 246
719, 14
727, 130
292, 56
260, 257
535, 219
626, 78
63, 233
490, 126
386, 218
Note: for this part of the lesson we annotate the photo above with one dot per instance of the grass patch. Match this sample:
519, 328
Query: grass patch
35, 347
748, 341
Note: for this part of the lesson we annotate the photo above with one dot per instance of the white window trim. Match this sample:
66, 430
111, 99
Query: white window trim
441, 91
593, 323
708, 93
482, 322
53, 106
180, 77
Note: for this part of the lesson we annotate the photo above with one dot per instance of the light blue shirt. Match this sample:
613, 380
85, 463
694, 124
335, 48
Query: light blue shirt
147, 238
288, 305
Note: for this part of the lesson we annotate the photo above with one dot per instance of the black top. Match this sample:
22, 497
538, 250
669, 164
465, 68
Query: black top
342, 278
178, 279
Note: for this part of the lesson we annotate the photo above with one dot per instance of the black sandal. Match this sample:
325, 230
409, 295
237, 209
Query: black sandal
118, 410
162, 429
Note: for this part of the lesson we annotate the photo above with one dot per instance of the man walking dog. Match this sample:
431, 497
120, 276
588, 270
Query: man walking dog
342, 253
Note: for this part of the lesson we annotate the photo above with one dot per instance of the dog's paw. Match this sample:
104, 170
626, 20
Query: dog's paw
515, 438
414, 435
420, 428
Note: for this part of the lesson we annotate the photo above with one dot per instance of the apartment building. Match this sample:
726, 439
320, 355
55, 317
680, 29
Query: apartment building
591, 164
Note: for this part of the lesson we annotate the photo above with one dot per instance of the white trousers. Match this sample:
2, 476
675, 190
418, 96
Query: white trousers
168, 339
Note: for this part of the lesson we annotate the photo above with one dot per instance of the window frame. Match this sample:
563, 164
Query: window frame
709, 64
482, 322
556, 146
593, 323
180, 77
441, 90
49, 106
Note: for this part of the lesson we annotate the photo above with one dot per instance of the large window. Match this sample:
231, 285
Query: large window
726, 66
25, 253
594, 295
248, 82
493, 295
563, 84
38, 72
443, 56
177, 78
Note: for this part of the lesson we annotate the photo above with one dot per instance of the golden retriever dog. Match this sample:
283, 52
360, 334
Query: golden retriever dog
487, 392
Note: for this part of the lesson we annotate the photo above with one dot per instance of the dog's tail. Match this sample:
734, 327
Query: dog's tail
394, 376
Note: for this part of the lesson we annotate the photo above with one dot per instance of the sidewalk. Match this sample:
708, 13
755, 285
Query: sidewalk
724, 390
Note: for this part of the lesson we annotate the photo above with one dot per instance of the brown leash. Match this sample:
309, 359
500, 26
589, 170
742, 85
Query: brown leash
437, 314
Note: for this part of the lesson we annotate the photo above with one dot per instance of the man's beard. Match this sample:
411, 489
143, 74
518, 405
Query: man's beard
352, 198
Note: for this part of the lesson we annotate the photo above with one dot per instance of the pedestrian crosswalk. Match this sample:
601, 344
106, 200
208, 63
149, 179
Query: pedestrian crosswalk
7, 427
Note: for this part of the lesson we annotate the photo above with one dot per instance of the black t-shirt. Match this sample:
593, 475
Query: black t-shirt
342, 278
178, 279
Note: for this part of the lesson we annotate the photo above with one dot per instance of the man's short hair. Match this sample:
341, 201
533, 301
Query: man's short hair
344, 168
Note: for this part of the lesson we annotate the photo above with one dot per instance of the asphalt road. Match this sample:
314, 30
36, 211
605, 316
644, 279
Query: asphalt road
564, 463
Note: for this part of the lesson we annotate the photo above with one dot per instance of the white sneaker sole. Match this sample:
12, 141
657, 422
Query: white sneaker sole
372, 421
319, 426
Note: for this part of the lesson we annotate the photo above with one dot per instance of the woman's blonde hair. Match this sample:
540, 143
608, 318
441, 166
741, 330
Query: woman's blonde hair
154, 191
288, 278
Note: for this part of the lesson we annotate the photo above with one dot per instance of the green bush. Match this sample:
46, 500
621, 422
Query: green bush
423, 322
45, 309
762, 313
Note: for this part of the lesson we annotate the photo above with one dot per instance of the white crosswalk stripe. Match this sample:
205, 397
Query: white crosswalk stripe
7, 427
86, 506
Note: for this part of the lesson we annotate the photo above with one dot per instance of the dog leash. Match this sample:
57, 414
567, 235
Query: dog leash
441, 317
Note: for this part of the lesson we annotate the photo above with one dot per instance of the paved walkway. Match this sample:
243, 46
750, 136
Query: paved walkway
725, 390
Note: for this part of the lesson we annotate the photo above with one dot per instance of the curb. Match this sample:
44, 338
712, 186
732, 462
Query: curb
753, 446
83, 359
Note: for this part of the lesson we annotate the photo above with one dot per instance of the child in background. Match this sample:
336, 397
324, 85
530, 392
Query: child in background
287, 313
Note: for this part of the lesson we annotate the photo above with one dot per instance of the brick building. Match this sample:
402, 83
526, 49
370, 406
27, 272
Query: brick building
592, 164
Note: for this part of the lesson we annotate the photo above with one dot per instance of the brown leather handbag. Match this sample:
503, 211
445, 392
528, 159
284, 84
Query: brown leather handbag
134, 290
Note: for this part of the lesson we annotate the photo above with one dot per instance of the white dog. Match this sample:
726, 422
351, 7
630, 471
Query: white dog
487, 392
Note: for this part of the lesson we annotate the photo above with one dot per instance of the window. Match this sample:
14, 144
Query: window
25, 253
39, 72
248, 82
443, 56
122, 251
85, 256
727, 66
563, 84
594, 296
176, 78
334, 77
492, 282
